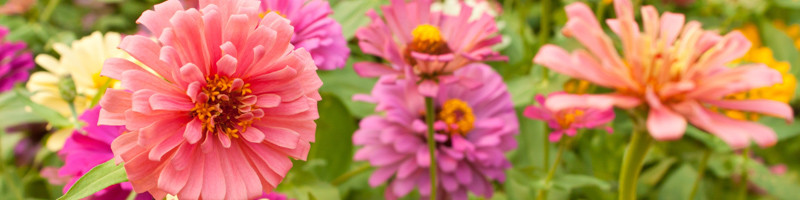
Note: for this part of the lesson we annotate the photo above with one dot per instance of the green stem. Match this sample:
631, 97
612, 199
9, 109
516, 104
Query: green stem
346, 176
51, 6
77, 123
601, 10
745, 174
544, 30
429, 118
700, 172
550, 173
546, 146
633, 161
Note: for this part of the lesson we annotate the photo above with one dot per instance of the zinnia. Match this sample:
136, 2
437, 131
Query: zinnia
568, 121
676, 69
81, 61
474, 126
314, 30
89, 148
228, 101
14, 63
425, 46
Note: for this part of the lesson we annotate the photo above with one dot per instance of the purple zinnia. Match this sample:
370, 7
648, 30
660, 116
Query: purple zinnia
314, 30
83, 152
475, 126
14, 64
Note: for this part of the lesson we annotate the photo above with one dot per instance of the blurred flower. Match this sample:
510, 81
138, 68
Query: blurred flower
12, 7
474, 126
675, 69
227, 101
14, 63
314, 30
568, 121
82, 152
425, 46
479, 8
81, 62
26, 149
273, 196
782, 92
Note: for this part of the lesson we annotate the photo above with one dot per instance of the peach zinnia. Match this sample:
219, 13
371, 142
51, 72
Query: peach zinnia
223, 104
675, 70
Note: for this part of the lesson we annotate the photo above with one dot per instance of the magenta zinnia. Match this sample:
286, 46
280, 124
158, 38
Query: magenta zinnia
88, 148
427, 46
676, 70
225, 102
475, 126
314, 30
570, 120
14, 63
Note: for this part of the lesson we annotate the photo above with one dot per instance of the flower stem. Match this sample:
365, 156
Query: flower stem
745, 174
633, 161
546, 146
700, 172
346, 176
429, 118
561, 147
51, 6
544, 30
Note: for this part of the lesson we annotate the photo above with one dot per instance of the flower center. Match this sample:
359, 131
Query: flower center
261, 15
458, 116
226, 106
100, 81
576, 86
566, 118
426, 39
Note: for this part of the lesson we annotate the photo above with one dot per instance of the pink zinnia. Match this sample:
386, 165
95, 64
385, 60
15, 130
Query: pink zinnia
568, 121
475, 126
88, 148
424, 46
224, 104
676, 70
314, 30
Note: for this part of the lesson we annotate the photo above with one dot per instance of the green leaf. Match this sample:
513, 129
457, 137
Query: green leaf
781, 187
654, 174
783, 129
345, 83
333, 145
572, 181
679, 184
792, 4
96, 179
711, 141
352, 15
12, 111
48, 114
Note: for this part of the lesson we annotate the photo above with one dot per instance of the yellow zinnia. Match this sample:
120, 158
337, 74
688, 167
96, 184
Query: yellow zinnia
81, 61
783, 92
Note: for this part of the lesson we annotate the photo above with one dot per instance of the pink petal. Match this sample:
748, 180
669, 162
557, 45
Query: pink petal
193, 131
663, 123
169, 102
369, 69
598, 101
768, 107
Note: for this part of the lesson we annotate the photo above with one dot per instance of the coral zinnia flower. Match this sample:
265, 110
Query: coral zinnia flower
568, 121
314, 30
429, 46
475, 126
83, 151
677, 70
228, 101
14, 64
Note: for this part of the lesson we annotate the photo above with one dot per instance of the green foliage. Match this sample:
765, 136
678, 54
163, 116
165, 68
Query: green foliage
96, 179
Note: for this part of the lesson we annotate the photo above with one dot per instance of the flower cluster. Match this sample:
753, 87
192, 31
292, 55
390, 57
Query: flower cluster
14, 63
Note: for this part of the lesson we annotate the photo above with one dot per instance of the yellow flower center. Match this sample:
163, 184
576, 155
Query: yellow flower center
566, 118
458, 116
261, 15
223, 106
576, 86
100, 81
426, 39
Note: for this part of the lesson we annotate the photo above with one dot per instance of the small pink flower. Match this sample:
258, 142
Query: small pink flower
568, 121
475, 126
675, 70
223, 104
314, 30
425, 46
